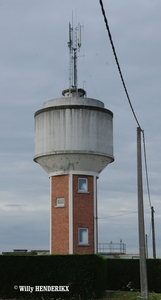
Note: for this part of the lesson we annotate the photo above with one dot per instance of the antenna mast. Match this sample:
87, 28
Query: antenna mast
74, 44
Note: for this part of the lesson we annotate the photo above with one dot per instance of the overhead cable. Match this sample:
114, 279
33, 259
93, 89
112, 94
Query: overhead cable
124, 214
128, 97
117, 62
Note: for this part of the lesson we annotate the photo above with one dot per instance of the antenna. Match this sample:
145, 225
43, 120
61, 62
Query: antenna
70, 44
74, 45
69, 36
79, 36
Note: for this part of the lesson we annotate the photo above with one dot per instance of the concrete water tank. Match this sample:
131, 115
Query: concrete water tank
73, 133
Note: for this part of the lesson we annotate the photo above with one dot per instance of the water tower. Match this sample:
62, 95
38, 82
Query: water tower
73, 144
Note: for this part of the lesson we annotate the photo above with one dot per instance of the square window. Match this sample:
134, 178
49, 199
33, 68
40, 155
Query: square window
83, 236
60, 202
82, 185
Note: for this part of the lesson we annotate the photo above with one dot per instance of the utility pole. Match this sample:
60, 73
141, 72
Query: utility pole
142, 249
153, 232
146, 245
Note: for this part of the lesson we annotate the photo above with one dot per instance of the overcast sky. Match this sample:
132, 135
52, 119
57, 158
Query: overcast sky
34, 68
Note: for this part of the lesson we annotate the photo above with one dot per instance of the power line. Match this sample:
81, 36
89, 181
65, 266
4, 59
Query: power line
126, 92
129, 213
117, 62
128, 97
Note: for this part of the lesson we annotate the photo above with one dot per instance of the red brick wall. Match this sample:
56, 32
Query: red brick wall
83, 214
60, 215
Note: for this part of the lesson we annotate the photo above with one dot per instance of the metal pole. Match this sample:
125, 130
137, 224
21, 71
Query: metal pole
75, 68
153, 232
146, 246
96, 217
143, 270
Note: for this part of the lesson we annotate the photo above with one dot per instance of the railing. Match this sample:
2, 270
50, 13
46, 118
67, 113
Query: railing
112, 248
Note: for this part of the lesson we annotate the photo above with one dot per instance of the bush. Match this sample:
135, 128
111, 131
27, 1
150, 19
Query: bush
84, 274
122, 271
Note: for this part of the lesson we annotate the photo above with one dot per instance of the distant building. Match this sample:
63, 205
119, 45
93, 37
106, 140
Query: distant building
115, 250
26, 252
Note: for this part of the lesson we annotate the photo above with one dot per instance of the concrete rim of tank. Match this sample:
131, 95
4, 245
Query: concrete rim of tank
73, 107
73, 152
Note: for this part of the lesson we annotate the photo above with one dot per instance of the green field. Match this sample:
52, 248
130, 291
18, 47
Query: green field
111, 295
131, 296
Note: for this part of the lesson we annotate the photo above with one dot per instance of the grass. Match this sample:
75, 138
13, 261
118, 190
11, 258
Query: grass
130, 296
112, 295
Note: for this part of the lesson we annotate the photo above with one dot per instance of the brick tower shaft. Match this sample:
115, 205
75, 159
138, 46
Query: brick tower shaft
73, 213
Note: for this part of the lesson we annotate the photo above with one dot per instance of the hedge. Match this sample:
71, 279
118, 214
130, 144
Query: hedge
87, 276
122, 271
83, 274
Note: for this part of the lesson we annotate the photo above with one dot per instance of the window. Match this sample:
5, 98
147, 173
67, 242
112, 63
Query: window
60, 202
83, 236
82, 185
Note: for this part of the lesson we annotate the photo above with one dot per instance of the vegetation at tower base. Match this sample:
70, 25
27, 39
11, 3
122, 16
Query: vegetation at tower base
122, 271
85, 275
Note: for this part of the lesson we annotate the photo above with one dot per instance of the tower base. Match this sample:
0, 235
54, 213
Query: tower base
73, 213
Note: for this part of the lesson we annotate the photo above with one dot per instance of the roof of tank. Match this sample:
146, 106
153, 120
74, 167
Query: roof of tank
73, 101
